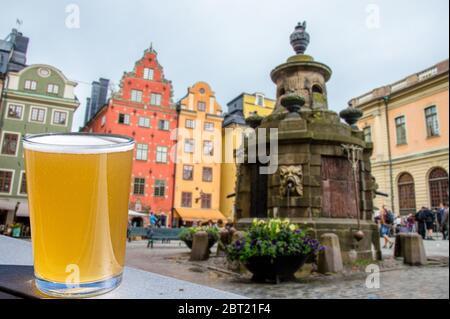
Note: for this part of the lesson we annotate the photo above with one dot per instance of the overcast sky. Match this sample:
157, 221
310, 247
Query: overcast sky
234, 44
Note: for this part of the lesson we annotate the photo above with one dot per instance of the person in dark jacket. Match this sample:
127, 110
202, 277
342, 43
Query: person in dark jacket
444, 223
420, 218
430, 218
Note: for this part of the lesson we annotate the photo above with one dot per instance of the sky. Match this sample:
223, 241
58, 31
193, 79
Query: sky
232, 44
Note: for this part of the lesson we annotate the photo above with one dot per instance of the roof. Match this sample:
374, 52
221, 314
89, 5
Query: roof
403, 84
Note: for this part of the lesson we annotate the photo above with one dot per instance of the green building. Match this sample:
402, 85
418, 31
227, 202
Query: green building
37, 99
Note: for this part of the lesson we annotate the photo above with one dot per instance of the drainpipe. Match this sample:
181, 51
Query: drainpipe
391, 174
178, 111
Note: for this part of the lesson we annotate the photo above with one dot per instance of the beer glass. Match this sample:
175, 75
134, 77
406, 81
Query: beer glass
78, 188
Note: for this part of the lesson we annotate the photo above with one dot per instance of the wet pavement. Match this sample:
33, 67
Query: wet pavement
395, 279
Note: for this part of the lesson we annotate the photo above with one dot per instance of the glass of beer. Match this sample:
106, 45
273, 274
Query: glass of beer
78, 188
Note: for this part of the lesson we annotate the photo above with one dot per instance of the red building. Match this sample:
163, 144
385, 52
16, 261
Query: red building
143, 110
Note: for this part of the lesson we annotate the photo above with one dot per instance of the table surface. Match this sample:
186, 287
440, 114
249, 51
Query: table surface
16, 279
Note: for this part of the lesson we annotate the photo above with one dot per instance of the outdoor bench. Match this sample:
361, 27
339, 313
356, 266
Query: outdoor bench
163, 234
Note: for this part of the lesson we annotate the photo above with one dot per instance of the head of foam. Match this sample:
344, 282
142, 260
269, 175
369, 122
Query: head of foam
78, 143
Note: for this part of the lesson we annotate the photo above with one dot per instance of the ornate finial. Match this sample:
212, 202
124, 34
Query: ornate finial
300, 38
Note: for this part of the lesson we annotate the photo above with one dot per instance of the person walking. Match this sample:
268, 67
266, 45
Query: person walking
429, 222
386, 221
420, 218
444, 223
411, 223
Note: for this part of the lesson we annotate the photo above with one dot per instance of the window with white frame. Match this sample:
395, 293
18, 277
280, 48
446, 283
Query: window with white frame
189, 145
260, 99
59, 117
10, 142
30, 85
367, 134
159, 188
432, 121
208, 148
144, 122
155, 99
53, 88
15, 111
136, 96
201, 106
190, 124
142, 152
103, 120
163, 125
124, 119
161, 154
209, 126
23, 184
148, 74
400, 128
37, 114
5, 181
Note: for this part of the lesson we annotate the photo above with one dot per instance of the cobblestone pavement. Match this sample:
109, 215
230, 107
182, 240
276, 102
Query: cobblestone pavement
396, 280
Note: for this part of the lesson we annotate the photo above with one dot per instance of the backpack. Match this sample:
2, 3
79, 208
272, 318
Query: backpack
390, 218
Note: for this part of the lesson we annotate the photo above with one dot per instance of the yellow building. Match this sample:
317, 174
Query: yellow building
239, 108
198, 157
251, 103
407, 122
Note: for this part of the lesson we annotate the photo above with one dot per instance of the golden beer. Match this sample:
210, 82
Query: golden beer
78, 189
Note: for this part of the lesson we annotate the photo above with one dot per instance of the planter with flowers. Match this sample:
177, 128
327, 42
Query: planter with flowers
273, 250
187, 235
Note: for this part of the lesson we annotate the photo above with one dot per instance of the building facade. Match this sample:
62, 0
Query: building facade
252, 103
407, 122
13, 52
37, 99
198, 169
239, 109
142, 109
99, 94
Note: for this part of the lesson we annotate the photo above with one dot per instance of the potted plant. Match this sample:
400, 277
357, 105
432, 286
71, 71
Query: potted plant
273, 250
187, 235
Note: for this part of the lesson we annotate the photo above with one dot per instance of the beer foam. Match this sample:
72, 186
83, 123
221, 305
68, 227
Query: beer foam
78, 143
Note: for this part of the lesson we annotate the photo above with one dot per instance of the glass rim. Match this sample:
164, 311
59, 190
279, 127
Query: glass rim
122, 143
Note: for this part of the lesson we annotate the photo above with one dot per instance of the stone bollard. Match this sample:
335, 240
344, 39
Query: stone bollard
200, 246
224, 241
413, 250
330, 260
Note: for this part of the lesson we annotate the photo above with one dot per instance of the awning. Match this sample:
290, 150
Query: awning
7, 204
23, 210
134, 213
191, 214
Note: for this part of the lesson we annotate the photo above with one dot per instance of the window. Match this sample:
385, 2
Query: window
186, 199
432, 121
161, 154
259, 100
37, 115
148, 74
136, 96
207, 174
208, 148
155, 99
124, 119
59, 117
201, 106
144, 122
103, 120
163, 125
206, 201
30, 85
139, 186
406, 194
438, 184
160, 188
142, 152
189, 145
5, 181
52, 88
367, 134
188, 172
209, 126
10, 143
400, 127
15, 111
23, 185
190, 124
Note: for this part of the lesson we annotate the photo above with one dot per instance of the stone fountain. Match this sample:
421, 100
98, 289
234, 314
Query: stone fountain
314, 184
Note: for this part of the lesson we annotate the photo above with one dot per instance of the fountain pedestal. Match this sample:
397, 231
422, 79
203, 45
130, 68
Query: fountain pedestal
323, 197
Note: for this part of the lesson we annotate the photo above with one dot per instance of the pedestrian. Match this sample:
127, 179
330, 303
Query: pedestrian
420, 218
386, 220
440, 213
444, 222
129, 226
429, 223
411, 223
398, 224
153, 219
